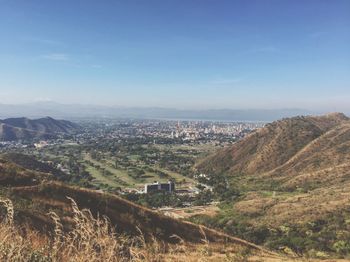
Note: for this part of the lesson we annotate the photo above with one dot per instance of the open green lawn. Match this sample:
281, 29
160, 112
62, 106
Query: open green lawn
177, 176
123, 175
120, 176
101, 179
118, 173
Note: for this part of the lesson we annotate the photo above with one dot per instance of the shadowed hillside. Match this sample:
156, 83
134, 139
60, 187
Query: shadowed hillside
14, 175
24, 128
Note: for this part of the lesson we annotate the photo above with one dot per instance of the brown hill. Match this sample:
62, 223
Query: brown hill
275, 145
13, 175
294, 181
325, 160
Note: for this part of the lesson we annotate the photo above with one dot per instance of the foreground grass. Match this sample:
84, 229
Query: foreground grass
94, 239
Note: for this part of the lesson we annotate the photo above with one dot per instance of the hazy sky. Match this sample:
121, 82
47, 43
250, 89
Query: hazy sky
177, 53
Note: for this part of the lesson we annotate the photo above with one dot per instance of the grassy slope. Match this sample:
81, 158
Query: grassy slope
294, 172
271, 146
33, 201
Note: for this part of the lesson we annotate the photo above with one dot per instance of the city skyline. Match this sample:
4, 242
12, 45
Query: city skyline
183, 54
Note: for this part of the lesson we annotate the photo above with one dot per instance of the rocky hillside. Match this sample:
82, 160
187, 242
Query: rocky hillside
23, 128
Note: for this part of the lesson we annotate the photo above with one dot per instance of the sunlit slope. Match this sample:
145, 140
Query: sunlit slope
282, 144
295, 171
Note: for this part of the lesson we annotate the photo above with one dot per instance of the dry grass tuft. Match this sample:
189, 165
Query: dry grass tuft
93, 239
9, 210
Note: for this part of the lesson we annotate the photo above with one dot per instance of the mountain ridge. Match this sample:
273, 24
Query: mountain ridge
293, 182
271, 146
12, 129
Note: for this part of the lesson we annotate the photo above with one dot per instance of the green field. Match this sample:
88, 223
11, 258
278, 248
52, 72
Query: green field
121, 177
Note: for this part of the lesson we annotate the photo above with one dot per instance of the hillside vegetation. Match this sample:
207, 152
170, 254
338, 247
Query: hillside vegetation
46, 220
294, 182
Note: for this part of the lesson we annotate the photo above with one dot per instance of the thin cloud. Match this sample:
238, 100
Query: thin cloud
56, 57
43, 99
69, 61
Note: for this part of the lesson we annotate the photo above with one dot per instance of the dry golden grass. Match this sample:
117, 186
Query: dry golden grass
125, 215
328, 151
296, 208
94, 239
186, 212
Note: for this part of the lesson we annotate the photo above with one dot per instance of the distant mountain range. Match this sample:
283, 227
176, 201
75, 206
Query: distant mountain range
24, 128
90, 111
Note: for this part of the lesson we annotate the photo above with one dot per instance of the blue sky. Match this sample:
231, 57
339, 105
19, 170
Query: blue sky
183, 54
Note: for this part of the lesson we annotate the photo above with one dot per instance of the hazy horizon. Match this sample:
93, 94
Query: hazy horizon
77, 111
177, 54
